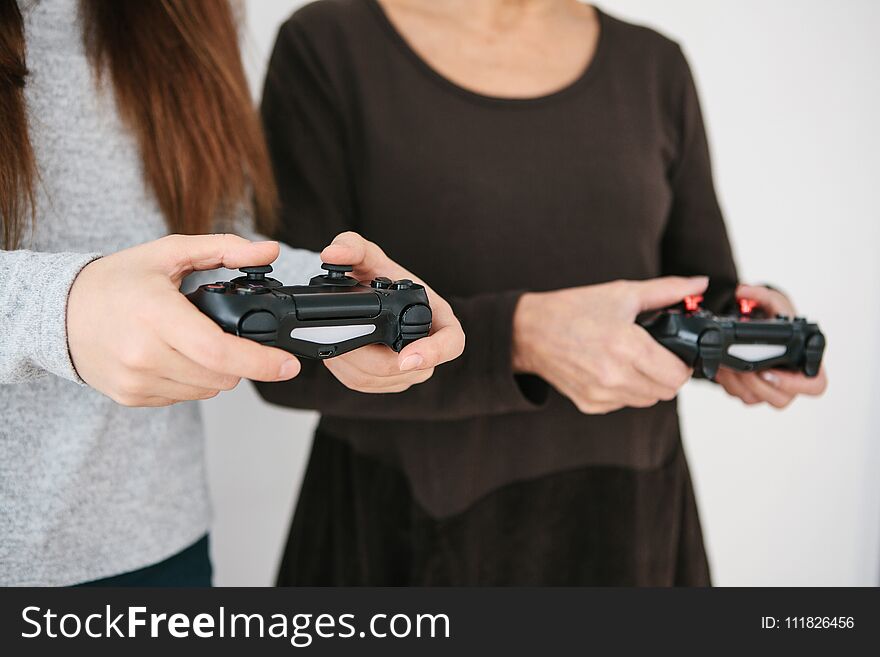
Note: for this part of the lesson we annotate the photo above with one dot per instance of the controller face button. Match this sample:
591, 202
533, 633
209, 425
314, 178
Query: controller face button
381, 283
216, 287
402, 284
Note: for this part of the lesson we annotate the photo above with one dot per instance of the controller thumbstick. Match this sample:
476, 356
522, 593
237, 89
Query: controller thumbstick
256, 273
336, 271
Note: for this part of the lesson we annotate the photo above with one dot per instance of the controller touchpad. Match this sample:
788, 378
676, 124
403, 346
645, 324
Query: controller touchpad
332, 334
755, 353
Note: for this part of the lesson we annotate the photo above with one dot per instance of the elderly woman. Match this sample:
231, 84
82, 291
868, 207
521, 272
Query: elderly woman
546, 166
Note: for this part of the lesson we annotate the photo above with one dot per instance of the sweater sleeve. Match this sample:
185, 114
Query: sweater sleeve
33, 313
695, 241
310, 142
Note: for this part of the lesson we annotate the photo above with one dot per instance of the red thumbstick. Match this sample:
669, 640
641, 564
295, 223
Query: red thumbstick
692, 302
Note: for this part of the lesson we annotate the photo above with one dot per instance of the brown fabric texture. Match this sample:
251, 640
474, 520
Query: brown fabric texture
358, 525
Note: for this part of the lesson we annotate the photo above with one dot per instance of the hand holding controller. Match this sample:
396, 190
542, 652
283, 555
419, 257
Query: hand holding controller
332, 315
747, 340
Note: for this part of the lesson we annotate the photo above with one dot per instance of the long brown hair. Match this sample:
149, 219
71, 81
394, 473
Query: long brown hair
17, 168
180, 86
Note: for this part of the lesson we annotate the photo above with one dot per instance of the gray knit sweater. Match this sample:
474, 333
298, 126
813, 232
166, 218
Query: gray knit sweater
88, 489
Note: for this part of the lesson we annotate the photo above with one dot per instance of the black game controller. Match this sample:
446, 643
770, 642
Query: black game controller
332, 315
746, 339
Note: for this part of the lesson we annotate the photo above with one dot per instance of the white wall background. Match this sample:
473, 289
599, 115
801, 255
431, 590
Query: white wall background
791, 95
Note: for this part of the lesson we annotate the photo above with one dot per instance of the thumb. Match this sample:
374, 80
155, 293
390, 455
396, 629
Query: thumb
350, 248
662, 292
178, 255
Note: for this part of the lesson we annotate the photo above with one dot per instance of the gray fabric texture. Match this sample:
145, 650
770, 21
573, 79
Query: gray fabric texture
88, 488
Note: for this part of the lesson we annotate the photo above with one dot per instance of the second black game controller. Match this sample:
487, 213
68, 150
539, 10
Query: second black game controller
745, 339
332, 315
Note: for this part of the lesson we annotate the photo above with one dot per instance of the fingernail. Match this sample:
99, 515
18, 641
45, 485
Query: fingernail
770, 378
411, 363
288, 370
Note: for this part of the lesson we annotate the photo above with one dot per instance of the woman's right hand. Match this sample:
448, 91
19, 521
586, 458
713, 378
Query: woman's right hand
134, 337
585, 343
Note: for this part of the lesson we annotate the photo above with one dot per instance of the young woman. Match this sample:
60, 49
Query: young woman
119, 123
550, 452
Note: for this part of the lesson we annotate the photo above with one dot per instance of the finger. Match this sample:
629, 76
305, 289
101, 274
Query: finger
172, 394
446, 340
356, 379
732, 383
598, 408
177, 367
377, 361
659, 363
181, 392
765, 392
445, 343
147, 402
367, 258
796, 383
772, 301
351, 374
641, 389
198, 338
642, 402
179, 255
665, 291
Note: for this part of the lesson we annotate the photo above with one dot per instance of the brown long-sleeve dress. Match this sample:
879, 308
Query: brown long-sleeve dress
480, 476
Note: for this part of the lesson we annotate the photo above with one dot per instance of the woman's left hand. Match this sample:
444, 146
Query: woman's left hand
376, 368
775, 387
